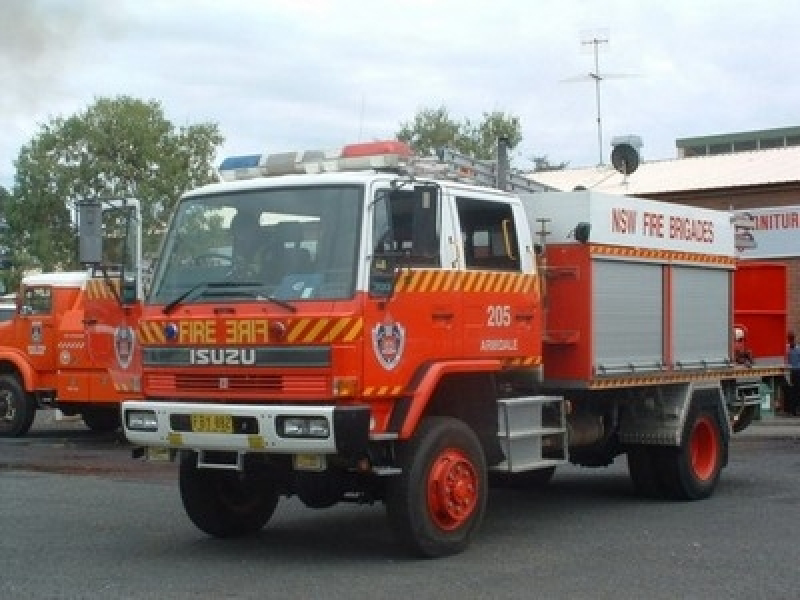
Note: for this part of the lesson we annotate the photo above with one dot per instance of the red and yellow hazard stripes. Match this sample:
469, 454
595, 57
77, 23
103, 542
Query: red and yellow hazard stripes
599, 383
325, 330
522, 362
151, 332
661, 255
382, 391
435, 280
99, 288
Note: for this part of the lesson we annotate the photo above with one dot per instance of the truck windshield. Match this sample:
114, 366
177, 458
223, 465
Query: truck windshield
290, 243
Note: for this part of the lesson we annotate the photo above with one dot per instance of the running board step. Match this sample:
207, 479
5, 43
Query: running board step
532, 431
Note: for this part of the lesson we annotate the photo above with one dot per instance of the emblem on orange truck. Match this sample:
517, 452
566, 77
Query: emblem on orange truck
388, 341
123, 345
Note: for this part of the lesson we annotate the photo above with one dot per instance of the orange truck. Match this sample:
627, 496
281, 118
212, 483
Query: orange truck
366, 326
70, 344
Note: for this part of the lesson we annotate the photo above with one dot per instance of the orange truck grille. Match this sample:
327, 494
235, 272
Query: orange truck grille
289, 385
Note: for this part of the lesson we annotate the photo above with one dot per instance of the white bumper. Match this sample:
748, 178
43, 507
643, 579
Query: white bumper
259, 425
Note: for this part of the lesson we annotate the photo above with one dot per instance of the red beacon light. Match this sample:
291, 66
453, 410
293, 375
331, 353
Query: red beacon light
352, 157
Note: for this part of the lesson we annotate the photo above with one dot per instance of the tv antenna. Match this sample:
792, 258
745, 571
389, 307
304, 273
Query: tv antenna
593, 41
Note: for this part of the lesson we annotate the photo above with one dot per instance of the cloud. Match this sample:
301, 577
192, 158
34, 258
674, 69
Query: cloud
288, 74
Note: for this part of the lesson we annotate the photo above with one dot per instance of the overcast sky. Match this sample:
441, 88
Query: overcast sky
281, 75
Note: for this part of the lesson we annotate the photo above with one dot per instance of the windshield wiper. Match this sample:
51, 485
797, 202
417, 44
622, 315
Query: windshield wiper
201, 289
198, 289
279, 302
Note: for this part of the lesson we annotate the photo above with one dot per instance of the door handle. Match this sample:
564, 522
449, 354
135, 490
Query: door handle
442, 315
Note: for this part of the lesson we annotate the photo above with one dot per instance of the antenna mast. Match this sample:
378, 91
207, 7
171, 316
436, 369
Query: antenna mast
595, 42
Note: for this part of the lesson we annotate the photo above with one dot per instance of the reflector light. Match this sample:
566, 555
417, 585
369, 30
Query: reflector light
372, 148
353, 157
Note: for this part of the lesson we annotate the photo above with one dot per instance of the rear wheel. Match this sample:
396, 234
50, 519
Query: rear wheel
438, 501
226, 503
103, 419
691, 471
17, 408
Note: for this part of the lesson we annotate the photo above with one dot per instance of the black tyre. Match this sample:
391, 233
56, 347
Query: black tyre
438, 501
17, 408
102, 420
226, 503
527, 480
643, 468
691, 471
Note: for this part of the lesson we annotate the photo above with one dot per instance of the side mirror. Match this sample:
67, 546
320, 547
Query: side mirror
90, 229
128, 295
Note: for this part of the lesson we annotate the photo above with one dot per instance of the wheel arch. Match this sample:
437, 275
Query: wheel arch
465, 390
15, 364
657, 415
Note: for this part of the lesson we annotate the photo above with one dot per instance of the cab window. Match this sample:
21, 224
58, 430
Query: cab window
37, 300
489, 235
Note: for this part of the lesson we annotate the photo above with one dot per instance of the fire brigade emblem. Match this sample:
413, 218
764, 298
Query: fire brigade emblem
388, 341
124, 341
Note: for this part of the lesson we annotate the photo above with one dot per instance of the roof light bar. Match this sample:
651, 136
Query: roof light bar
353, 157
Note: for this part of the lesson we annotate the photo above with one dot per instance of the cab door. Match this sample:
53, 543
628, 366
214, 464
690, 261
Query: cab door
411, 312
37, 327
500, 299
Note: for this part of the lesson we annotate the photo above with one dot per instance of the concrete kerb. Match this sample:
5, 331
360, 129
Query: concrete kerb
772, 426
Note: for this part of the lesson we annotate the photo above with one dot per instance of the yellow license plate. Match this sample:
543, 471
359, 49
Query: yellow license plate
212, 424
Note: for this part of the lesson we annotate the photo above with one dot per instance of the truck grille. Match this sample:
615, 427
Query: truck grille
279, 385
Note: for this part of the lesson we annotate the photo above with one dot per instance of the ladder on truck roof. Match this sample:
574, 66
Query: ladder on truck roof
391, 155
483, 172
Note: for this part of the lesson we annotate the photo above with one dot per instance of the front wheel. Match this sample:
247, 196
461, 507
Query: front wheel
691, 471
17, 408
227, 503
438, 501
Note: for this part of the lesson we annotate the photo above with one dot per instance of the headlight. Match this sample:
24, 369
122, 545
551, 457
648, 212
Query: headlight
141, 420
304, 427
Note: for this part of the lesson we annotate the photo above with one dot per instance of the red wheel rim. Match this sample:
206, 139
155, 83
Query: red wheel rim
452, 489
704, 448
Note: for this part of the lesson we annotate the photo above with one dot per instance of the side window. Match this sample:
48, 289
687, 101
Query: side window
37, 300
489, 235
407, 224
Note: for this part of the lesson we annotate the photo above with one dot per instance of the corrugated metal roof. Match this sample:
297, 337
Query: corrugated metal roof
740, 169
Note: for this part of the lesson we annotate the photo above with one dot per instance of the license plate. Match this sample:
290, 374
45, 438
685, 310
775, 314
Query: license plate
212, 423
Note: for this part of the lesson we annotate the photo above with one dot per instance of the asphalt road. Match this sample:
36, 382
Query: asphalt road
80, 519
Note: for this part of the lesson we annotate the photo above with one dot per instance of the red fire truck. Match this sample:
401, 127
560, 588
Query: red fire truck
71, 342
366, 326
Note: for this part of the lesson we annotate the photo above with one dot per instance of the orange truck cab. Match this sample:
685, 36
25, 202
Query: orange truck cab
71, 345
367, 326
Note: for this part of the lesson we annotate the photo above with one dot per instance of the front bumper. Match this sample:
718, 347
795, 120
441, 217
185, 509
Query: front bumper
256, 427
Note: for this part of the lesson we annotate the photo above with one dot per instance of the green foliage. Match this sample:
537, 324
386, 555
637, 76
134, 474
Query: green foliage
117, 148
433, 128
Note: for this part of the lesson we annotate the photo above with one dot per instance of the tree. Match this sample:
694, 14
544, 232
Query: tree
433, 128
117, 148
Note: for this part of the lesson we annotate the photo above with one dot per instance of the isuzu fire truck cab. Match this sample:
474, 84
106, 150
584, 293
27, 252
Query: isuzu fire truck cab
364, 326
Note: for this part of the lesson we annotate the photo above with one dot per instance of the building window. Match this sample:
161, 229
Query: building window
719, 148
745, 146
690, 151
793, 140
766, 143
